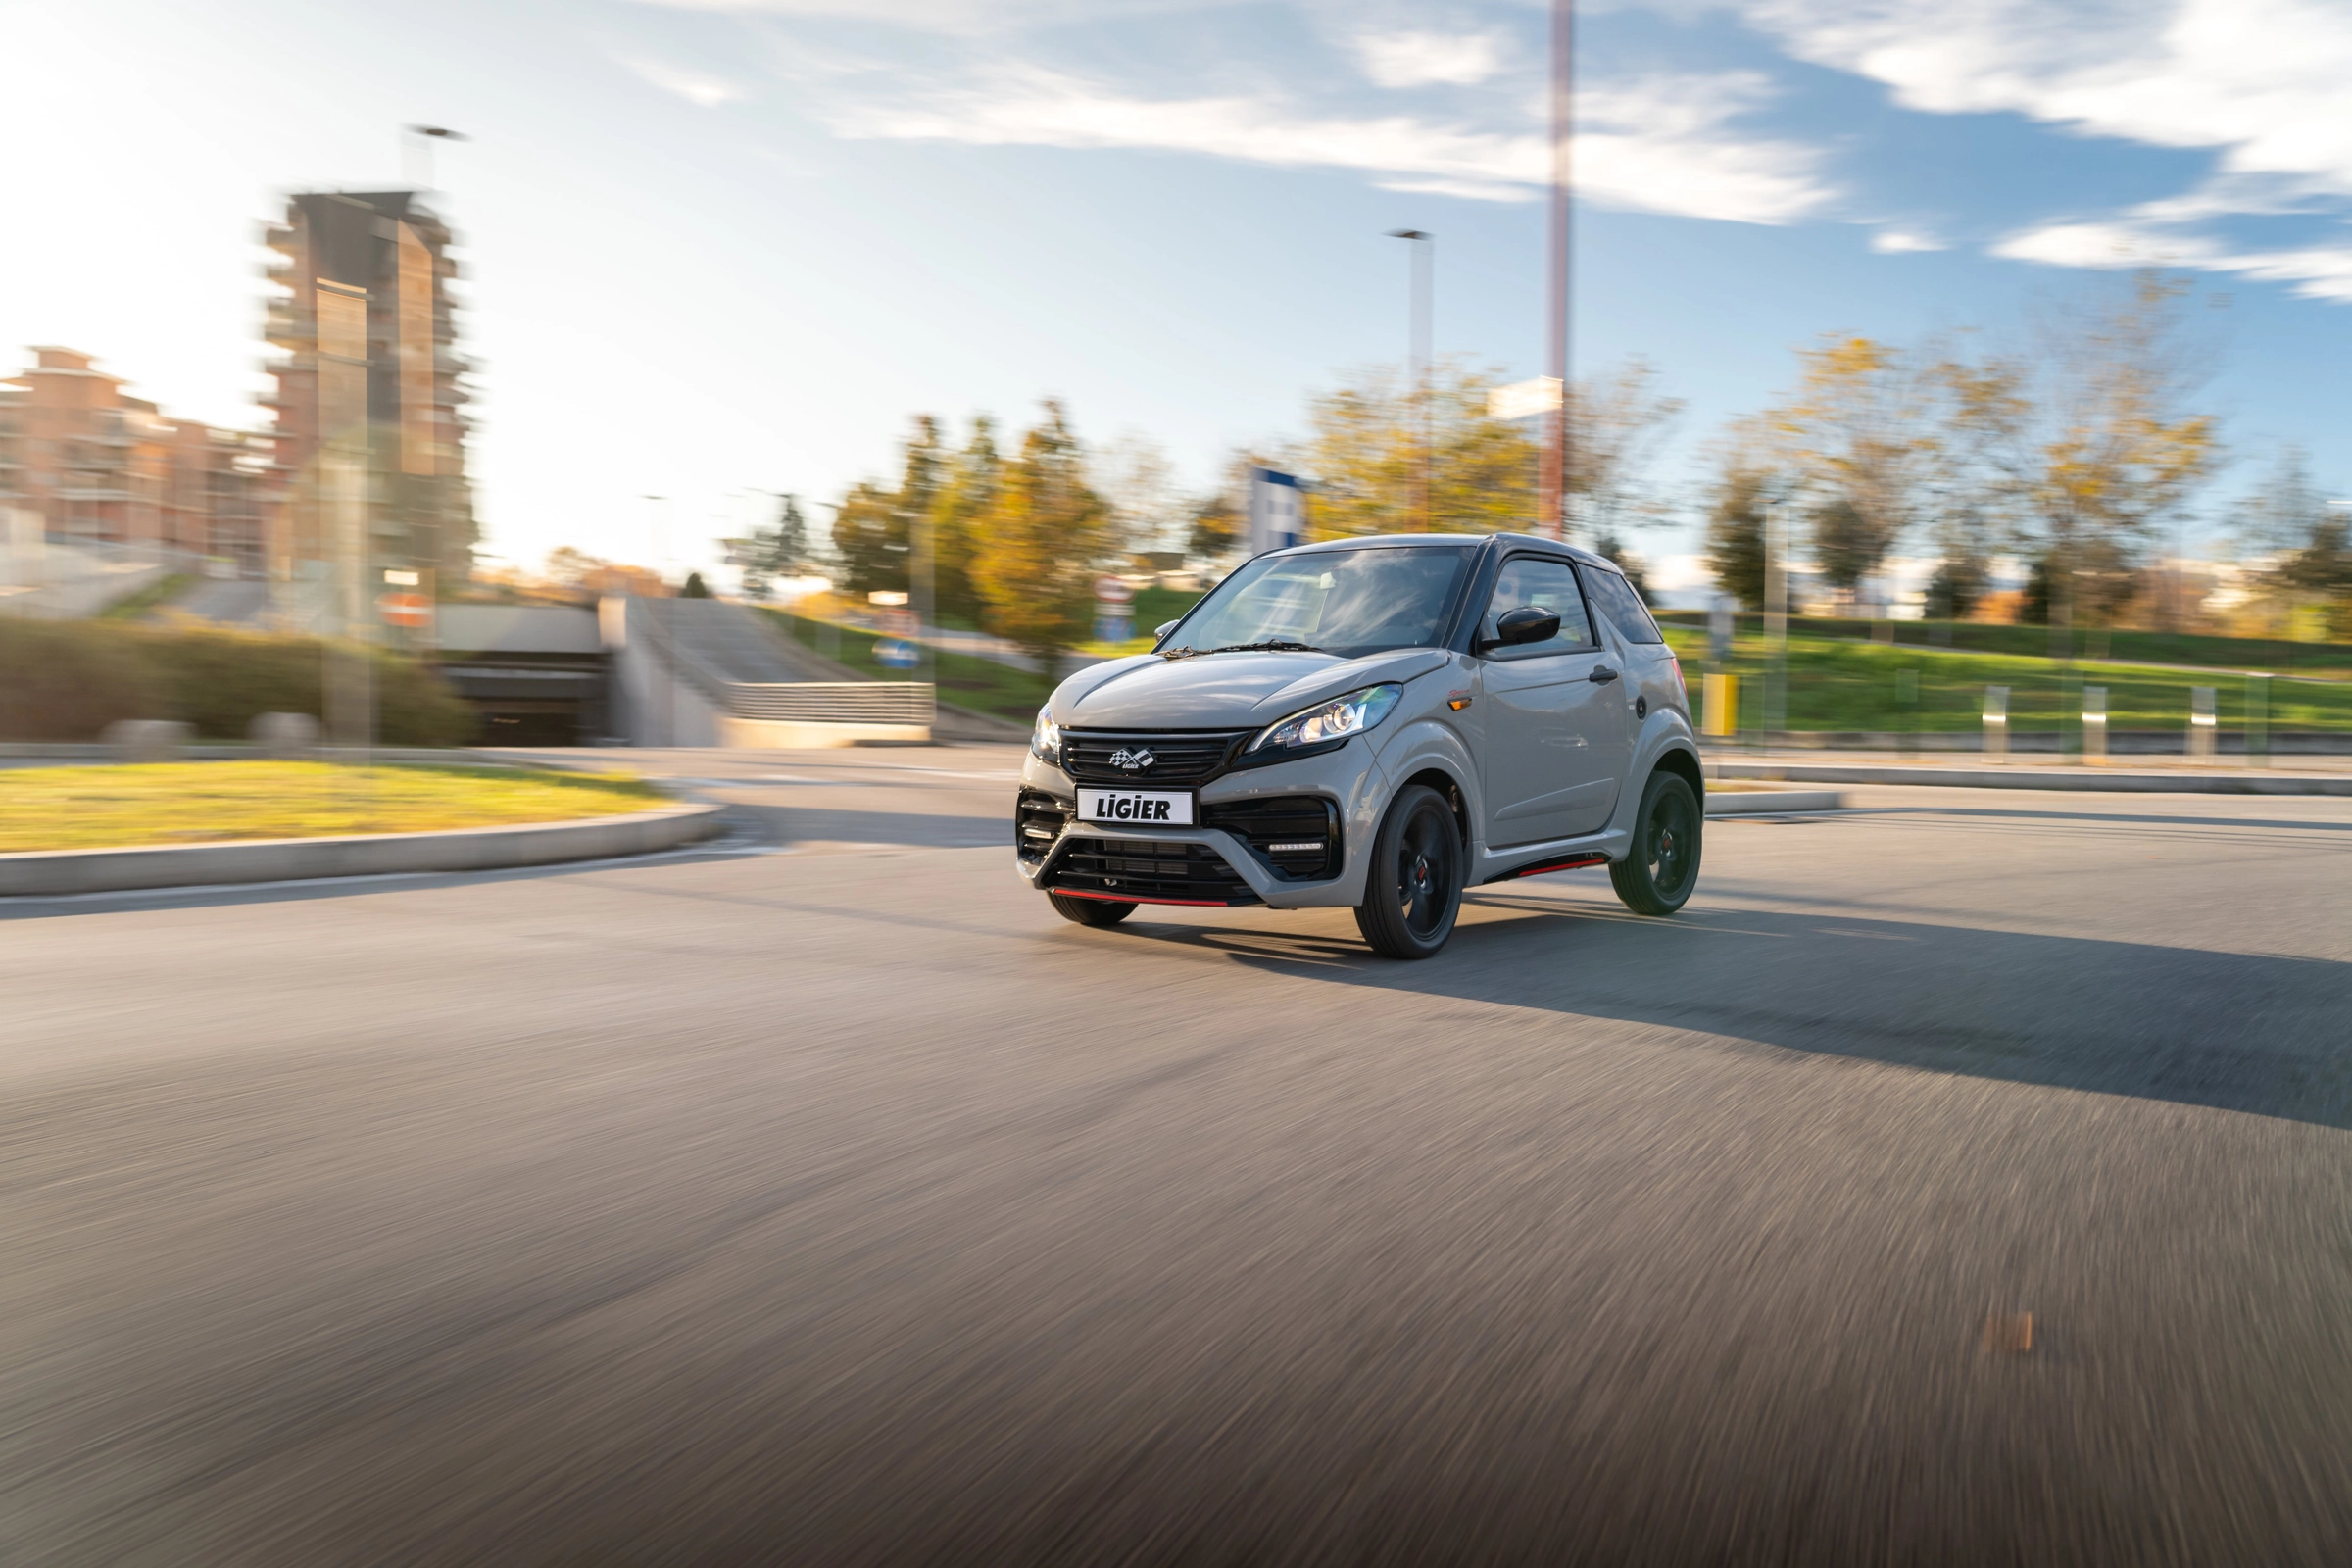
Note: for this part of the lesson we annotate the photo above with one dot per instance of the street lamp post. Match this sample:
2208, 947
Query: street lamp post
416, 151
1424, 246
1554, 498
666, 657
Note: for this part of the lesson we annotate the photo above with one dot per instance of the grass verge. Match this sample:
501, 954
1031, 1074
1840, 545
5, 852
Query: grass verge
202, 803
1835, 684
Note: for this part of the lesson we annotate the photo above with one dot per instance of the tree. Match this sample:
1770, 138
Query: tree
1365, 458
781, 550
1216, 528
1139, 486
1615, 422
1628, 561
1044, 540
1858, 436
1735, 528
2106, 450
959, 511
2304, 538
1958, 583
873, 528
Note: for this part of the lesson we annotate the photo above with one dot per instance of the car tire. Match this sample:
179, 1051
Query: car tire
1413, 891
1090, 912
1660, 871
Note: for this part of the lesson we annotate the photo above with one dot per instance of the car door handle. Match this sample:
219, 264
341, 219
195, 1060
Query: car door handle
1602, 675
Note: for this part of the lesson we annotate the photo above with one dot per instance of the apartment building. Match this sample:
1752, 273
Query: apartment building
101, 467
368, 376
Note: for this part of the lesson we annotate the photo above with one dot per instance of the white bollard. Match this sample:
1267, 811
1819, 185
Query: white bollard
283, 736
2094, 724
1996, 724
147, 739
2202, 723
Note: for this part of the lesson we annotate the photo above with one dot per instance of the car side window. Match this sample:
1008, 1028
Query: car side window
1546, 584
1622, 606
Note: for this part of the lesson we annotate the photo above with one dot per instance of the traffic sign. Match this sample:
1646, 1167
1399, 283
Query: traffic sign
1111, 591
404, 609
897, 653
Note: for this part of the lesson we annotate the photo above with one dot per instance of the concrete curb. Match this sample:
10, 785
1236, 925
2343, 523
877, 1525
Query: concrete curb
55, 872
2094, 779
1756, 803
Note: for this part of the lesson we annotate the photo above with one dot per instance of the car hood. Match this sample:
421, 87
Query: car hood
1222, 691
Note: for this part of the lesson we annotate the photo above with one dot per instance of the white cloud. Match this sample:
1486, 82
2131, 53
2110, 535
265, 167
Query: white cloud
1431, 59
2267, 84
2320, 271
692, 87
1660, 144
967, 17
2265, 80
1902, 241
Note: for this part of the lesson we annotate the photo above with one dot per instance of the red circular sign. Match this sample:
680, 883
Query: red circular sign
1111, 591
406, 609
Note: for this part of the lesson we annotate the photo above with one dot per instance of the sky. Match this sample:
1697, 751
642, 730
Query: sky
720, 248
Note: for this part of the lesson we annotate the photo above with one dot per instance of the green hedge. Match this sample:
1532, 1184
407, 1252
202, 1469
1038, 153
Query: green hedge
66, 680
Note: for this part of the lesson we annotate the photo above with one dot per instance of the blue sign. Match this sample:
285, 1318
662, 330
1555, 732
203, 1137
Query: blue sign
1277, 520
897, 653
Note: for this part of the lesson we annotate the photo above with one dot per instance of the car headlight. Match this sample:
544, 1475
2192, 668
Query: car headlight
1045, 740
1329, 723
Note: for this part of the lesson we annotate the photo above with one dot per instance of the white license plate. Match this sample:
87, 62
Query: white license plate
1136, 808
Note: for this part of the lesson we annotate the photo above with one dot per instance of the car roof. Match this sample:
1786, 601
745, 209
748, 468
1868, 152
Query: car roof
1427, 540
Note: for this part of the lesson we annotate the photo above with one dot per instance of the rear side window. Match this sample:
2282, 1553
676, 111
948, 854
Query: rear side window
1615, 597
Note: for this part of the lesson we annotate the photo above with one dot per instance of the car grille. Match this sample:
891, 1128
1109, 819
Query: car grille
1296, 835
1147, 868
1037, 822
1185, 757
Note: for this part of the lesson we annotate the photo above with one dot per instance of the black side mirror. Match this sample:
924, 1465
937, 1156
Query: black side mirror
1526, 624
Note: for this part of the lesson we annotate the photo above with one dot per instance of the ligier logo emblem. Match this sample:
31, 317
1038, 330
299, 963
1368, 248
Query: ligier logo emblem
1134, 762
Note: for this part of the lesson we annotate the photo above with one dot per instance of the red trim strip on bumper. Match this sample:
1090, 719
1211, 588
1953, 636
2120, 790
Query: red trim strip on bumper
1121, 897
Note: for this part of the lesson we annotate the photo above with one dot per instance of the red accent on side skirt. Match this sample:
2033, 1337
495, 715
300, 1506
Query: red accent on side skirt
1555, 865
1120, 897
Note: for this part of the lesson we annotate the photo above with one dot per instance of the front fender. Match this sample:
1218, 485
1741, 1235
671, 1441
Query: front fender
1429, 744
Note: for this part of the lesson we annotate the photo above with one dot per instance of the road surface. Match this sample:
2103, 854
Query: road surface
823, 1198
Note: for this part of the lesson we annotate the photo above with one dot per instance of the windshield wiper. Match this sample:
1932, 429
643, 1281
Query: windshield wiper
1272, 645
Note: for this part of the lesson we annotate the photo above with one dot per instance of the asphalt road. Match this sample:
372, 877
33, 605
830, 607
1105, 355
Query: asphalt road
826, 1200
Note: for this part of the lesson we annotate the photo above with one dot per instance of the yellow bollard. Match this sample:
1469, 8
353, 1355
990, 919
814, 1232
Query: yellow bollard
1719, 699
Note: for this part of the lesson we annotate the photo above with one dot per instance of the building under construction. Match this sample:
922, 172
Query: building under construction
371, 432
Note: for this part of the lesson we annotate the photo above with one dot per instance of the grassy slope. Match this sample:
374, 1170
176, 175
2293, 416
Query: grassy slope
2234, 655
1837, 684
192, 802
979, 685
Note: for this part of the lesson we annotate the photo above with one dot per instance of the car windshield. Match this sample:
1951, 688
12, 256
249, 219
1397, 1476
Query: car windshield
1344, 602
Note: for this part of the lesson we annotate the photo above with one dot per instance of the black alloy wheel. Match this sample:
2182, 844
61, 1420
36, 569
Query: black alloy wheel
1661, 872
1413, 889
1090, 912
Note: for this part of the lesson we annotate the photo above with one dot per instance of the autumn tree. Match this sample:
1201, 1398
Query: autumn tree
1367, 450
959, 517
2104, 447
1044, 542
873, 527
1857, 437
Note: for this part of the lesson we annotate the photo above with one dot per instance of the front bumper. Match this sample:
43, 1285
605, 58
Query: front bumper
1350, 779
